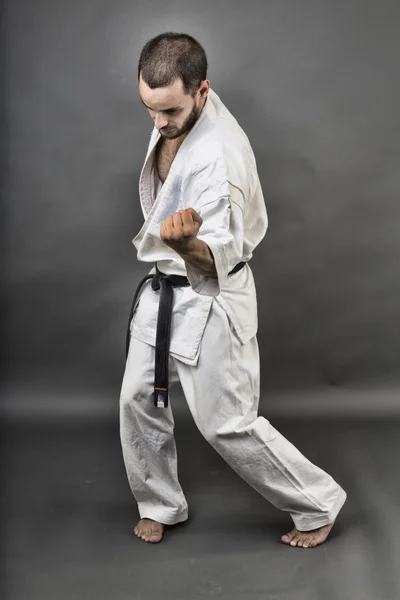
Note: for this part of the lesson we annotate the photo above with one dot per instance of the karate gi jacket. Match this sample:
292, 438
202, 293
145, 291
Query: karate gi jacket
215, 173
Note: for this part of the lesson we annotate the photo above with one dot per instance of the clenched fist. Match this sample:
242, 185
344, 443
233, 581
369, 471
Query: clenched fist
177, 231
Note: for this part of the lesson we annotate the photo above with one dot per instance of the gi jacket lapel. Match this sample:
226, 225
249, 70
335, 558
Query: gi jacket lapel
169, 200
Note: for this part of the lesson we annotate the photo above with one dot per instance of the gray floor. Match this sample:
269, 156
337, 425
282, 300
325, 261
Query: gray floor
68, 515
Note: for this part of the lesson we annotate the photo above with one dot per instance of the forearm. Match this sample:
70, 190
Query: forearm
199, 257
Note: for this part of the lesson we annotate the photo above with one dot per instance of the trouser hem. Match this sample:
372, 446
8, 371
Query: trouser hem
314, 521
163, 515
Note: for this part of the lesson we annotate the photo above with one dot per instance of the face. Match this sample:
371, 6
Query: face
173, 112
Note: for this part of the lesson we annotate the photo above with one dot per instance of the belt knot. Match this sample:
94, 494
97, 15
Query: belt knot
156, 281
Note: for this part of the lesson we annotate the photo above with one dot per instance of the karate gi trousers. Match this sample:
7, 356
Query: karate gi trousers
222, 392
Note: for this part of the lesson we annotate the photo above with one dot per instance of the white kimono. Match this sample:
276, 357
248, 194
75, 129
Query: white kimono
215, 173
214, 351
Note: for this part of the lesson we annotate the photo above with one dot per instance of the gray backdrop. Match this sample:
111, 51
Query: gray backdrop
315, 85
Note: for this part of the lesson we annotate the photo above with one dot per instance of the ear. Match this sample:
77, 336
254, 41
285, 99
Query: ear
204, 89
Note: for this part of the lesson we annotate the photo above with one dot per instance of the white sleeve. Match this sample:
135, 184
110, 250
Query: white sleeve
222, 231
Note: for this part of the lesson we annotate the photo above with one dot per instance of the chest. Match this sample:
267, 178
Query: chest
166, 151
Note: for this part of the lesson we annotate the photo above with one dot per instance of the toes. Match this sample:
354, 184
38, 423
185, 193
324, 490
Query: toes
147, 535
150, 536
298, 538
143, 534
287, 538
308, 539
291, 538
317, 540
301, 538
307, 542
148, 531
157, 534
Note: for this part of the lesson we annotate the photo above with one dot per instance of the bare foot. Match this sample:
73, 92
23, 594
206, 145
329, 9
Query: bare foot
307, 539
149, 531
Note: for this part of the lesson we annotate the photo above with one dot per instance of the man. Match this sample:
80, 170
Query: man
204, 215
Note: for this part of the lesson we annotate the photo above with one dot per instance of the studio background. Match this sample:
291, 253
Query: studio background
314, 85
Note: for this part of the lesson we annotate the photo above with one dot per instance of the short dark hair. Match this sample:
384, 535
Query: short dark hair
170, 56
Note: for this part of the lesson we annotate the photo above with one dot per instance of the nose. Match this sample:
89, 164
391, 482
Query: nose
160, 121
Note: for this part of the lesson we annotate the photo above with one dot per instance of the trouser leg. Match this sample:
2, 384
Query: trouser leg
147, 439
222, 392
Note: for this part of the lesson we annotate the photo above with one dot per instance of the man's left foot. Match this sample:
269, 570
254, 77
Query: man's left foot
307, 539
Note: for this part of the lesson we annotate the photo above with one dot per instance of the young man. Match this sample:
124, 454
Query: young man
204, 215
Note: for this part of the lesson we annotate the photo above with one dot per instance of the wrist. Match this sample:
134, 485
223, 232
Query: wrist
192, 248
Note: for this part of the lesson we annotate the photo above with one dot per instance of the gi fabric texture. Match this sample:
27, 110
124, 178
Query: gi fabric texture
215, 173
214, 350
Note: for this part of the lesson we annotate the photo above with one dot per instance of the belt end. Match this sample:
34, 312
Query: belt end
160, 397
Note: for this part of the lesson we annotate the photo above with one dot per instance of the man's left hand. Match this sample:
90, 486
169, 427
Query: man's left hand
177, 231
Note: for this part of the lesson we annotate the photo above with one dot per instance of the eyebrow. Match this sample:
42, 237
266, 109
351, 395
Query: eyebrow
165, 110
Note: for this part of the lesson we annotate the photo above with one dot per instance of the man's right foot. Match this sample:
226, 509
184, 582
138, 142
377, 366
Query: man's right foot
149, 531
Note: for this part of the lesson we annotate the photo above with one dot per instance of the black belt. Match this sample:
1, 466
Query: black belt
163, 335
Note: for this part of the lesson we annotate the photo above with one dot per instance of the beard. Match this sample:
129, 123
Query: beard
187, 125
